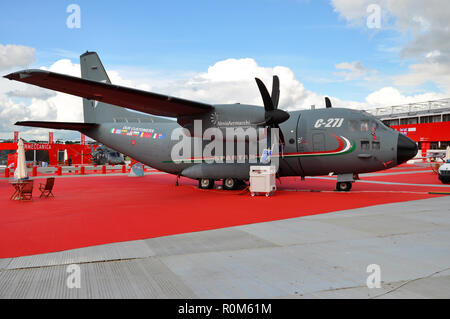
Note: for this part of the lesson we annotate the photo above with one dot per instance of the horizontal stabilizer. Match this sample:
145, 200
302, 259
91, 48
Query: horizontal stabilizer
138, 100
59, 125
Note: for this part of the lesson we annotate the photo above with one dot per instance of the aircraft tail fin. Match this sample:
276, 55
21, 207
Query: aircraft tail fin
92, 68
99, 112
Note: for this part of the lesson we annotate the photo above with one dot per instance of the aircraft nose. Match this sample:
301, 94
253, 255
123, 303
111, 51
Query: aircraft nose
406, 149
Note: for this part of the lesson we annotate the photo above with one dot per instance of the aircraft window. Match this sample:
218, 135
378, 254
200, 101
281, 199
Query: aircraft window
365, 145
375, 145
364, 125
353, 125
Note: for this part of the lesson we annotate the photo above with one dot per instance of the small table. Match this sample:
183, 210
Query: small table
18, 190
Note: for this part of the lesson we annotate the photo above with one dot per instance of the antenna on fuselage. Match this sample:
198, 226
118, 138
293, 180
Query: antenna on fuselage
327, 103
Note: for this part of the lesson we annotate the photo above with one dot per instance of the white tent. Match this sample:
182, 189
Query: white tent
21, 170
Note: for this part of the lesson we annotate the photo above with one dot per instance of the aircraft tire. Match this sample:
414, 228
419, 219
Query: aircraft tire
343, 186
205, 183
229, 183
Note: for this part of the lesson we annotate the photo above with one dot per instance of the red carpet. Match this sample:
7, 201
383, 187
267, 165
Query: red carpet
89, 211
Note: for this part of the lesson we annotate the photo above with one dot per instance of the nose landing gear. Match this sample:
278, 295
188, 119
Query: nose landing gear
343, 186
345, 181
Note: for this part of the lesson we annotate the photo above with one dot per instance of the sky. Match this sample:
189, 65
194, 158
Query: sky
361, 53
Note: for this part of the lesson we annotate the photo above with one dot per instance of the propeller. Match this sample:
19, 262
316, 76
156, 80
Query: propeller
273, 116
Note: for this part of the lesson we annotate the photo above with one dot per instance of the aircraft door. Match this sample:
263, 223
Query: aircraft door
310, 140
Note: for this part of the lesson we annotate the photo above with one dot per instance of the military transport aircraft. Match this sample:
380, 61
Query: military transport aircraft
328, 141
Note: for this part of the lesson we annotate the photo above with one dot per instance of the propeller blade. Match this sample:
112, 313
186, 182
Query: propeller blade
327, 103
275, 91
281, 134
267, 100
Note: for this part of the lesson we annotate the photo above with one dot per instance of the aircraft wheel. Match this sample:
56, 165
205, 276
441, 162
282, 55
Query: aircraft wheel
205, 183
343, 186
229, 183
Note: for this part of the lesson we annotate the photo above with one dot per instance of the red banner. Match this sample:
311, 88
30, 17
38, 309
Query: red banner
16, 137
50, 137
426, 132
38, 147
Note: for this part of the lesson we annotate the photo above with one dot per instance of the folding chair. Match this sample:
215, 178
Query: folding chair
46, 189
26, 192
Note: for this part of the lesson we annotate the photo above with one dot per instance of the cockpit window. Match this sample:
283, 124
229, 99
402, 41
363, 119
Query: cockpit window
364, 125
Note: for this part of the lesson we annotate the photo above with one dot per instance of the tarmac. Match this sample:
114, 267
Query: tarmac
317, 256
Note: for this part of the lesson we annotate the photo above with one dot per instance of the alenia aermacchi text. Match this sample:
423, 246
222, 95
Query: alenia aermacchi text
220, 142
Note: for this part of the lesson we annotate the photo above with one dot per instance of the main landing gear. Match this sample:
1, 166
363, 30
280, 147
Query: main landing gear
205, 183
227, 184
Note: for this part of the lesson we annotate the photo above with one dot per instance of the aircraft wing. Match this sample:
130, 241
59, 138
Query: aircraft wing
147, 102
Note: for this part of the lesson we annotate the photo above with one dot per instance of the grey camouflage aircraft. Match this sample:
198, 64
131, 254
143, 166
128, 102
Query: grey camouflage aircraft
328, 141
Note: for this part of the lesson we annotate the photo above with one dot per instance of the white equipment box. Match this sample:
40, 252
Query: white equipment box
262, 180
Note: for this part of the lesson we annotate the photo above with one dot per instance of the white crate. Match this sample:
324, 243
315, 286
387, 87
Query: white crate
262, 180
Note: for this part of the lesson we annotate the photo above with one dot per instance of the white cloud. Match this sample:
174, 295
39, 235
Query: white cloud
425, 22
352, 70
351, 10
233, 81
12, 56
389, 96
431, 69
31, 92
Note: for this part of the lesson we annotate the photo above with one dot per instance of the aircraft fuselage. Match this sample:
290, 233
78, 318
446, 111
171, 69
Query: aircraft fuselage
317, 142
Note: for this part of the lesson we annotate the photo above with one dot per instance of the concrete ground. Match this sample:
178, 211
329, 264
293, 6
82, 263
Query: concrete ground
320, 256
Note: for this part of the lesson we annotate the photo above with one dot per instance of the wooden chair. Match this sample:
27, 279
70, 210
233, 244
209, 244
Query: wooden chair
26, 193
46, 189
